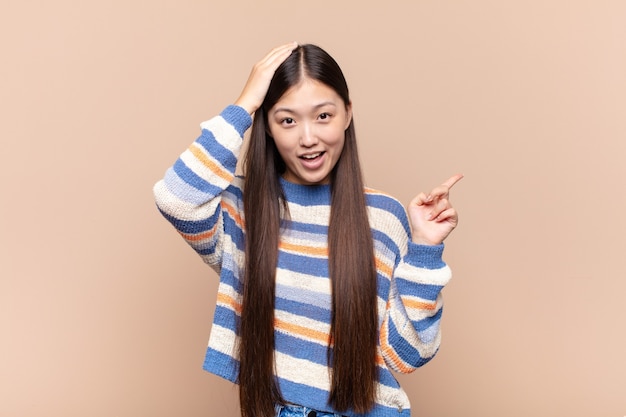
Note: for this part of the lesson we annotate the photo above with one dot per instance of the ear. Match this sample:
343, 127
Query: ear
348, 115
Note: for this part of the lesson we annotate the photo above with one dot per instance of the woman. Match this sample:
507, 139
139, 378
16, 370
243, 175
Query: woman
325, 285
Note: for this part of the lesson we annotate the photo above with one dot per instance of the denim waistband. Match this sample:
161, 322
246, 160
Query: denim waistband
292, 410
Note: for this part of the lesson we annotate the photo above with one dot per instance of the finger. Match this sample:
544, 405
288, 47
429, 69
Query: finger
277, 55
438, 192
449, 215
452, 180
421, 199
443, 189
260, 77
438, 207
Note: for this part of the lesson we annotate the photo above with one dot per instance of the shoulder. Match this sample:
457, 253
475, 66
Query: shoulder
386, 211
381, 200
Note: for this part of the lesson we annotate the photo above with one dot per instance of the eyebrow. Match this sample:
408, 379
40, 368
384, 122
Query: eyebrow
317, 106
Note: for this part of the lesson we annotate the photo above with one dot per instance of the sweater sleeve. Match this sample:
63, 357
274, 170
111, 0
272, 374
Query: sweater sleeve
410, 333
198, 195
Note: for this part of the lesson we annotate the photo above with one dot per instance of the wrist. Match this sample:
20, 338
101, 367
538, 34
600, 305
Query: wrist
247, 105
425, 256
425, 242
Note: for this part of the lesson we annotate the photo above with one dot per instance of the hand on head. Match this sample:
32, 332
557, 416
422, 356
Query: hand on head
259, 80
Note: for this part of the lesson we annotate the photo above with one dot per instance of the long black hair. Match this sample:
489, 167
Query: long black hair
354, 325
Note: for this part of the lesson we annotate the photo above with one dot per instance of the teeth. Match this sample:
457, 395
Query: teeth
312, 156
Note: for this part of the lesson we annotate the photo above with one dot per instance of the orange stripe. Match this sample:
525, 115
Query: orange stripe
279, 324
201, 236
292, 328
419, 305
383, 267
232, 211
390, 353
369, 190
209, 233
306, 250
301, 331
207, 162
323, 252
317, 251
229, 301
380, 361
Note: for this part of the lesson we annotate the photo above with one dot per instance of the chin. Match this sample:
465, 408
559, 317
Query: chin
317, 181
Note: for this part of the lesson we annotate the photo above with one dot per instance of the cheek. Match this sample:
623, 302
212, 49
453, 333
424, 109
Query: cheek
283, 139
335, 137
336, 148
284, 144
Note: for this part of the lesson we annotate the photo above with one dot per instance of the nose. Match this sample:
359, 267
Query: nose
308, 138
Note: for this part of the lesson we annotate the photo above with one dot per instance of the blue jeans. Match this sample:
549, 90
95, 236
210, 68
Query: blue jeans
300, 411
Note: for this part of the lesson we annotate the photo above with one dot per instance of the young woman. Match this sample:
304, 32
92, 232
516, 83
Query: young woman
325, 286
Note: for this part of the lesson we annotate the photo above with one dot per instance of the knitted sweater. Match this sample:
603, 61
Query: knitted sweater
202, 197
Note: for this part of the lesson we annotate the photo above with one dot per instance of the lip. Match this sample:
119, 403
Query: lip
313, 164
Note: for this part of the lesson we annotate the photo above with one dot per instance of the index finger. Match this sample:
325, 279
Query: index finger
452, 180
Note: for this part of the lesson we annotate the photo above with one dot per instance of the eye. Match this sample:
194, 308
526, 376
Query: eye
287, 121
324, 116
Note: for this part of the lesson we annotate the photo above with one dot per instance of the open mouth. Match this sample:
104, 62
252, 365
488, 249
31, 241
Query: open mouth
312, 157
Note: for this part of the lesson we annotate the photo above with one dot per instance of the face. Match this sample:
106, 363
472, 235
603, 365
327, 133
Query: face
308, 125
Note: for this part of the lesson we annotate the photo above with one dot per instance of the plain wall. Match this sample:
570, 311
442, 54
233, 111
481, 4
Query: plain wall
105, 311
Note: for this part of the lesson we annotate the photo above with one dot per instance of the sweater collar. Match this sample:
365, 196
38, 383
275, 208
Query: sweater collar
306, 195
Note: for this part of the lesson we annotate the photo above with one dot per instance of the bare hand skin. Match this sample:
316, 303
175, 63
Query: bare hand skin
432, 216
259, 80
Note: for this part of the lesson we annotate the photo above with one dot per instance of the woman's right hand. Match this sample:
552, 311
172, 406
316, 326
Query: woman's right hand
262, 73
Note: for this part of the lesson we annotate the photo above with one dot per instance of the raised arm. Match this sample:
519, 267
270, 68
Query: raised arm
199, 194
411, 333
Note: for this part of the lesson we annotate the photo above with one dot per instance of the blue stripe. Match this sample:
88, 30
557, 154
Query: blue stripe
384, 244
428, 323
232, 228
382, 286
386, 378
425, 256
233, 193
306, 195
225, 317
204, 248
191, 178
238, 118
303, 295
300, 348
302, 309
303, 264
221, 365
297, 228
316, 353
391, 206
183, 191
403, 348
193, 226
227, 275
304, 395
428, 328
220, 154
425, 291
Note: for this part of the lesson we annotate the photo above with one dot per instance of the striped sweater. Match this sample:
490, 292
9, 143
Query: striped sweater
202, 197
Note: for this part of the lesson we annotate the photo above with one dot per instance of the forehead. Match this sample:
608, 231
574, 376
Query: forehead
308, 94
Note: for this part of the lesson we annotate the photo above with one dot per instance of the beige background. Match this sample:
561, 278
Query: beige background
104, 311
